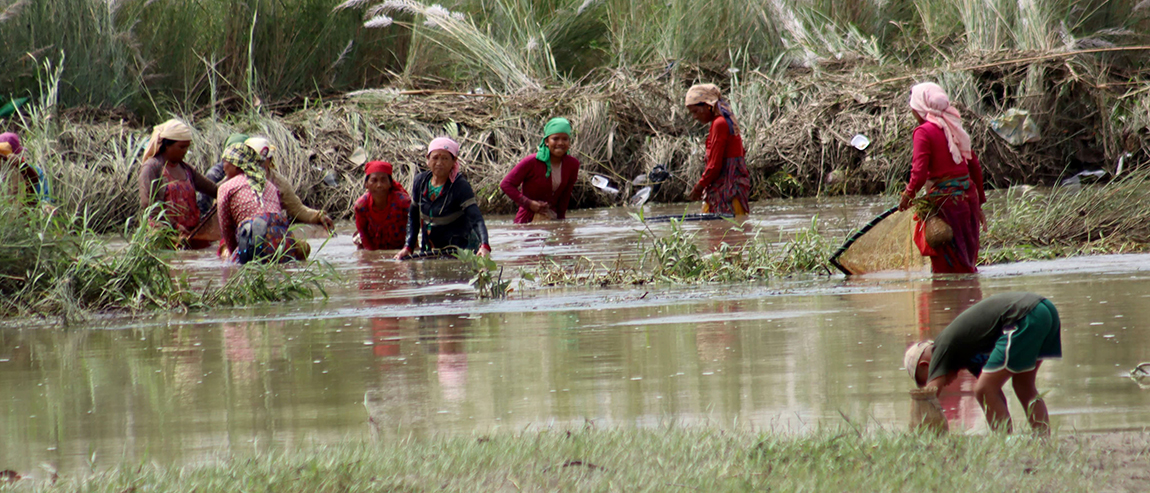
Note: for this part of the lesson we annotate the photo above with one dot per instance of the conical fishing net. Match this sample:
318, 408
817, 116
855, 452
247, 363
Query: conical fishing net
889, 245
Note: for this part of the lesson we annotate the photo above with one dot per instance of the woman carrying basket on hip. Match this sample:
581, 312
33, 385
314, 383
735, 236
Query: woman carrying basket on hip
942, 161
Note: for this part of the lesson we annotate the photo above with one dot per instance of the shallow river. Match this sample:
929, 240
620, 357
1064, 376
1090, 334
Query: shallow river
405, 349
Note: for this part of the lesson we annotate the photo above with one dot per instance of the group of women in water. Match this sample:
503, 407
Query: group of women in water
254, 205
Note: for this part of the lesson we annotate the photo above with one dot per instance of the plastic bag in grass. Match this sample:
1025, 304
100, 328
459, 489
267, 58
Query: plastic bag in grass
1016, 127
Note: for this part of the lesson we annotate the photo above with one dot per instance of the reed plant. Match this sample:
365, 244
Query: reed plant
54, 264
157, 57
1031, 224
675, 257
1073, 215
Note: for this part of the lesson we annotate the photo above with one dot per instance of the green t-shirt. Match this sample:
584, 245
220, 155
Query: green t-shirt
969, 339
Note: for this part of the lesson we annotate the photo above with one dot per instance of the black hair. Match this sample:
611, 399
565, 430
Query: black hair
164, 143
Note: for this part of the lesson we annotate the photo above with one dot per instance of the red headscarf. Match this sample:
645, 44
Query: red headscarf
382, 167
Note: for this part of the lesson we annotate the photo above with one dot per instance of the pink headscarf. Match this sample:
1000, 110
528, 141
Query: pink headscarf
929, 100
446, 144
12, 140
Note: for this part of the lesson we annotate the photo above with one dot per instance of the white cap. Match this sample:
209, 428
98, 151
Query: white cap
261, 145
913, 354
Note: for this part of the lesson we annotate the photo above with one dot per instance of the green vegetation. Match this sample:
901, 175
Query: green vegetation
156, 56
53, 265
487, 281
1028, 224
675, 257
270, 281
636, 460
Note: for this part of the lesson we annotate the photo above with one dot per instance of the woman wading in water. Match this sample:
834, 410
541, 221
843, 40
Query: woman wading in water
942, 160
443, 207
381, 213
726, 185
252, 219
165, 178
546, 177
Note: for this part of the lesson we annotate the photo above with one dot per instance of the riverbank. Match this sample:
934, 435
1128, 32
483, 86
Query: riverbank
797, 125
671, 459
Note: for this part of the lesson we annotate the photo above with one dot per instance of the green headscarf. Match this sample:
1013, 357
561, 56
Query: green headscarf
554, 126
246, 159
236, 138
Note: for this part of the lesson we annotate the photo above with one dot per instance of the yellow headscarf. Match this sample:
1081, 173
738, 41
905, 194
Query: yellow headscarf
172, 130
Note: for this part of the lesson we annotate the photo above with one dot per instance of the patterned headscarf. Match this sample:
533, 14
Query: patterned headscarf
709, 94
554, 126
171, 130
930, 101
446, 144
246, 159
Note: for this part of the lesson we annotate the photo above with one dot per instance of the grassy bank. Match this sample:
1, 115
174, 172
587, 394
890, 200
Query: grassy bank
804, 76
796, 128
1032, 224
648, 460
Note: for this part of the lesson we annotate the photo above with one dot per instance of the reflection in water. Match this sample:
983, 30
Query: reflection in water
451, 360
939, 302
405, 350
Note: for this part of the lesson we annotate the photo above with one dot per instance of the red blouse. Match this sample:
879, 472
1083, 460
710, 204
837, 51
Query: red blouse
931, 160
531, 174
386, 229
720, 146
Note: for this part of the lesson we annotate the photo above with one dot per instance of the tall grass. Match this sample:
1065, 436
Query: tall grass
54, 264
158, 56
1067, 221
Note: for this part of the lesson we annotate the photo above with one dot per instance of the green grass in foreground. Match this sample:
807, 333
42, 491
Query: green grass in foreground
632, 460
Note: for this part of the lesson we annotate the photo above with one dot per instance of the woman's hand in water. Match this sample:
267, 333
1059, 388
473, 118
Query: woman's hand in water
406, 252
484, 251
327, 223
695, 195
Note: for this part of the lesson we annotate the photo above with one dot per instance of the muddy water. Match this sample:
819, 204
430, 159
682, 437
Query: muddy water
404, 349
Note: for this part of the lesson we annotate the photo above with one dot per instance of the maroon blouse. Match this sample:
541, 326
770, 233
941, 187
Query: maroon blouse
531, 175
